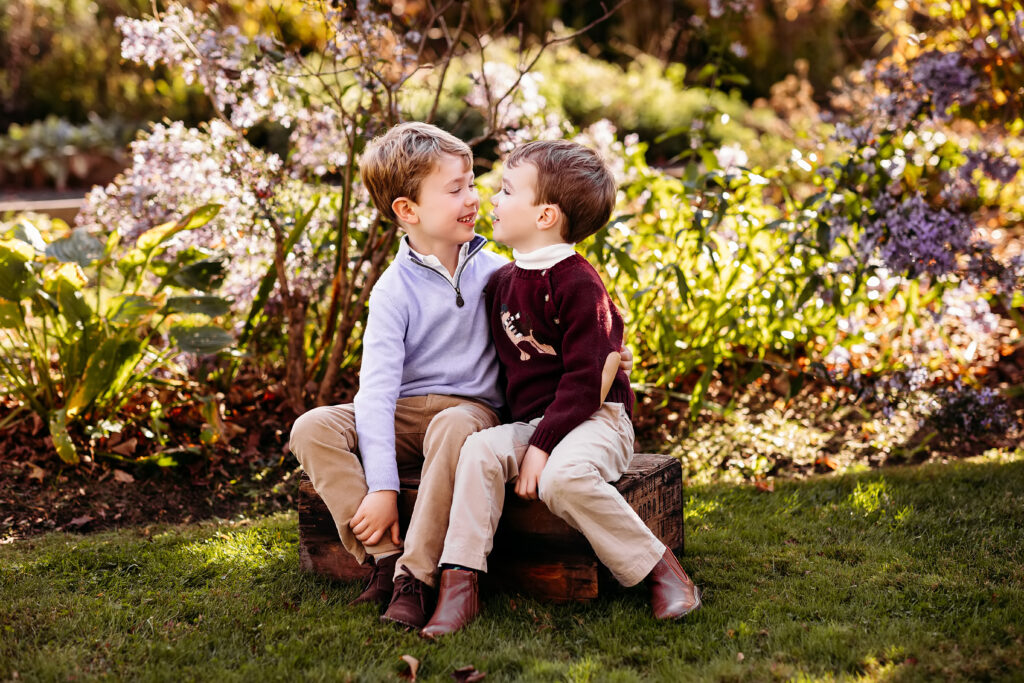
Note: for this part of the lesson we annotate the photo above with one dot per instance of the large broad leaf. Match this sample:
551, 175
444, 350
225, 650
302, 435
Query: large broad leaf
204, 275
79, 247
61, 439
201, 340
155, 236
65, 284
10, 316
130, 308
15, 273
200, 303
104, 366
25, 231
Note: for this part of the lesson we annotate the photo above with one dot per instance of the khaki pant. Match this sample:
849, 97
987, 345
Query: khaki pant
574, 485
429, 434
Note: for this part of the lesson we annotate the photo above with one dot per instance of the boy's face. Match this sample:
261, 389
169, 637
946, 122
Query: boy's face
516, 211
446, 209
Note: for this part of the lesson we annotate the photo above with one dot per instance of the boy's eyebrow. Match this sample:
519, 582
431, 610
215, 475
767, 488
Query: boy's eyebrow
458, 180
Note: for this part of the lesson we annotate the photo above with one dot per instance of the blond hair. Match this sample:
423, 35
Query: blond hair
394, 164
573, 177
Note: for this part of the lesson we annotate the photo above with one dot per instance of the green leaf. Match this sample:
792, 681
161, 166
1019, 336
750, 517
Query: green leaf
201, 340
809, 289
204, 275
65, 284
10, 316
130, 308
103, 366
15, 272
735, 79
753, 373
156, 236
79, 247
205, 304
824, 237
62, 442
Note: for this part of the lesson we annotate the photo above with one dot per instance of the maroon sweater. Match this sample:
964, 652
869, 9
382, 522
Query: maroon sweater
553, 330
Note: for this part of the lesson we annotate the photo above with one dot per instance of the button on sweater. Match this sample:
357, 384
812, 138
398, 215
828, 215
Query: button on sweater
553, 330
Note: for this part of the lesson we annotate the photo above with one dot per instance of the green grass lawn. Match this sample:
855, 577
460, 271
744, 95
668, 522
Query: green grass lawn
898, 574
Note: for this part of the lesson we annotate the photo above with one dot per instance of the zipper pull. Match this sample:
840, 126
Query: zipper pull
459, 301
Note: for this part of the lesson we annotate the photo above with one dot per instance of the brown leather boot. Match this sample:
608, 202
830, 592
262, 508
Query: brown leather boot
673, 595
458, 603
381, 584
411, 603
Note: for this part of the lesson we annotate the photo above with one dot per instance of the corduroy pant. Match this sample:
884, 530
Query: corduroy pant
574, 485
429, 434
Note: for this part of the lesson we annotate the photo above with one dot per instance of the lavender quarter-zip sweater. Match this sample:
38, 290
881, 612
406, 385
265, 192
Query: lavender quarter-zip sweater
419, 340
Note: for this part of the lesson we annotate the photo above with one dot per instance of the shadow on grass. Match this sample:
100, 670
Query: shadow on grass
898, 574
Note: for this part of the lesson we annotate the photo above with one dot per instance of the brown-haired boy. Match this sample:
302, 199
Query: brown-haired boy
557, 335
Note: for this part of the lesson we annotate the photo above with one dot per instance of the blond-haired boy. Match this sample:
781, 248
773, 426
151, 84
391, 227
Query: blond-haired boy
428, 377
557, 334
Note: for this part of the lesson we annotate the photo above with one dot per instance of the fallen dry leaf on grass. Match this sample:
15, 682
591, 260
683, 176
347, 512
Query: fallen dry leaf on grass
468, 674
414, 666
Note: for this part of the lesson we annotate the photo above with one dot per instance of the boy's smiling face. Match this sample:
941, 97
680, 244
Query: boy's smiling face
518, 218
444, 215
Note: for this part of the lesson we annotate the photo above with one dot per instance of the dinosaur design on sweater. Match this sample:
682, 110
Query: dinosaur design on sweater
508, 322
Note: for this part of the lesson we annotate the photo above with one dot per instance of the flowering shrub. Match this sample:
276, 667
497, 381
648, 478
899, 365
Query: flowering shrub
303, 241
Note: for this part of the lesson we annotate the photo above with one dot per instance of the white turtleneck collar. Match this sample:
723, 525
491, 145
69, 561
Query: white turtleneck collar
545, 257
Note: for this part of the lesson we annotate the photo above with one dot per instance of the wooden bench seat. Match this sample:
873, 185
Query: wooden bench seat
535, 552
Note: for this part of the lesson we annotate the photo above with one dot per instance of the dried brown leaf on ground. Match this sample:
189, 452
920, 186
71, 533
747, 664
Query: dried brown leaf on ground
468, 674
414, 666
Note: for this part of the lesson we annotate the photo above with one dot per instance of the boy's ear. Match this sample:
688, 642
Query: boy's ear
550, 217
405, 209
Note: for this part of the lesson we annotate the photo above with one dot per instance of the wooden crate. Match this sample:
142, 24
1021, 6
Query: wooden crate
535, 552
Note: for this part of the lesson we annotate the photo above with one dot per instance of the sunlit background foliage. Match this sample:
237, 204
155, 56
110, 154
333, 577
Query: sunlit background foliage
818, 213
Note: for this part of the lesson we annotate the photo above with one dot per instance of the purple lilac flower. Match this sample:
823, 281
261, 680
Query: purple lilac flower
933, 82
914, 237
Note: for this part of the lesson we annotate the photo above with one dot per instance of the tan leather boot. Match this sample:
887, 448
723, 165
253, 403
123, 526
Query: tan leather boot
458, 603
673, 595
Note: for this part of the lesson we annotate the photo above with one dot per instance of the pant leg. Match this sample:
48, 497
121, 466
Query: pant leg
489, 459
574, 485
324, 441
443, 440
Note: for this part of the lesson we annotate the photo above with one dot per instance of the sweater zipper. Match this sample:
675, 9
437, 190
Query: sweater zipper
459, 301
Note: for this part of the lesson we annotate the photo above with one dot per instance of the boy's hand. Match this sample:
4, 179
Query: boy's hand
626, 359
529, 473
375, 516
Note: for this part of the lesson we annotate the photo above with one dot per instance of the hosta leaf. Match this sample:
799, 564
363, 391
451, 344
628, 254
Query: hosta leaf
10, 317
203, 275
62, 442
155, 236
201, 340
205, 304
79, 247
65, 284
104, 365
130, 308
15, 273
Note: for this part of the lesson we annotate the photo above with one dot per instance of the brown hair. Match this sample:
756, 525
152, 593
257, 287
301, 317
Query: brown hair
394, 164
573, 177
